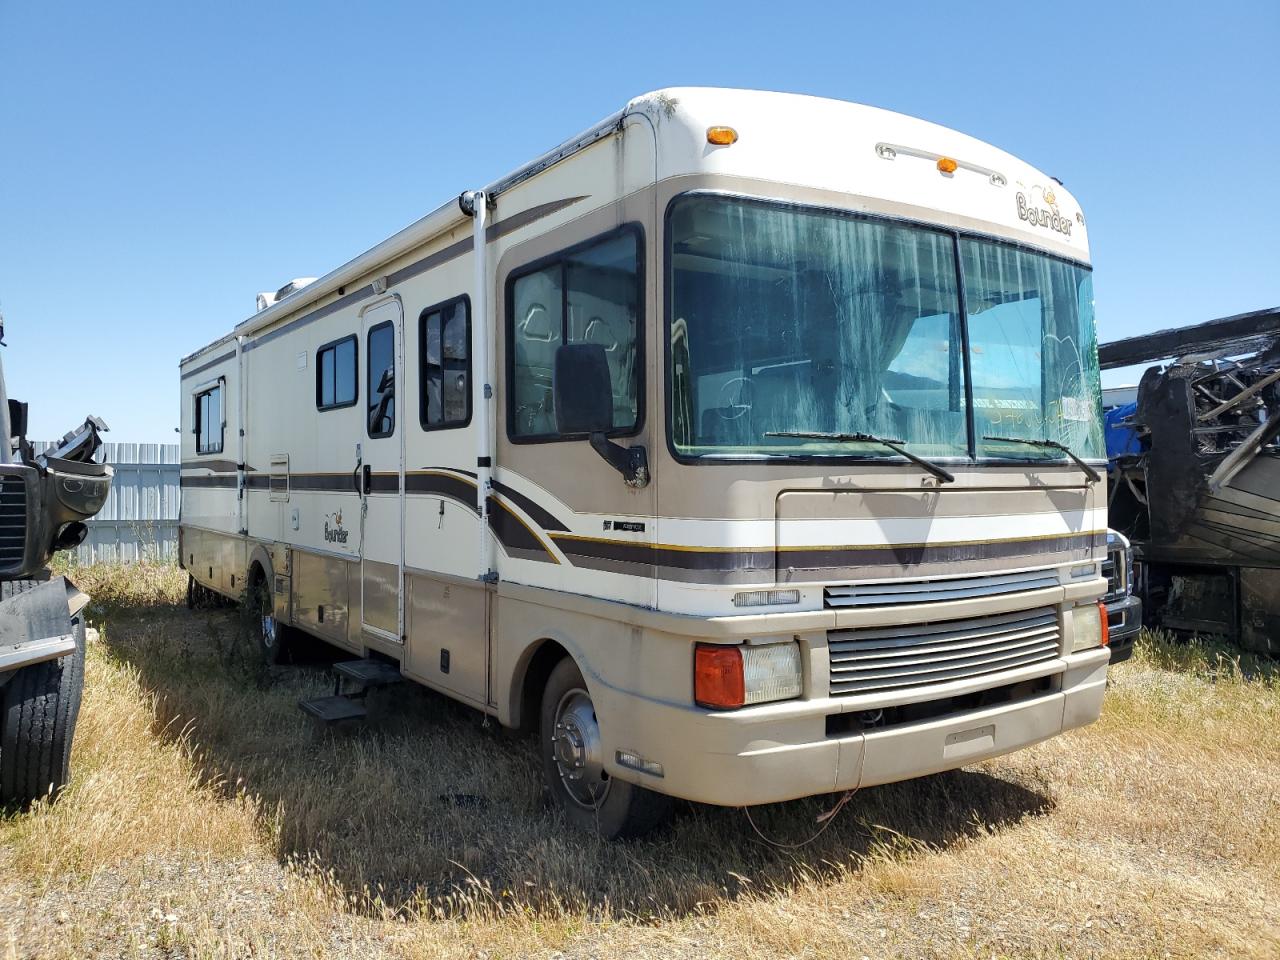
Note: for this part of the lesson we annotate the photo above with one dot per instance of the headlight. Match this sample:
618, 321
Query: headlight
1089, 627
727, 676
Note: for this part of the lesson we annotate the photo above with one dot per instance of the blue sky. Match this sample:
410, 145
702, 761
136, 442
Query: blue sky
161, 164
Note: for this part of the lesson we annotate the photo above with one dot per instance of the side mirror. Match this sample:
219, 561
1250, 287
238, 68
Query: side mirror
582, 390
17, 419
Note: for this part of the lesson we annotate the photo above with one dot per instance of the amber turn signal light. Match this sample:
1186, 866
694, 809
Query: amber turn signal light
717, 676
722, 136
946, 165
1106, 627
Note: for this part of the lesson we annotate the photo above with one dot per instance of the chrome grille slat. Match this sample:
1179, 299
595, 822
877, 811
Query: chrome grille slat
940, 676
889, 658
975, 641
940, 655
932, 590
887, 637
928, 664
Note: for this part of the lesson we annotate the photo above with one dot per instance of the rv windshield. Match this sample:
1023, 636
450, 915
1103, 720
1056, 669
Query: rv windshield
785, 319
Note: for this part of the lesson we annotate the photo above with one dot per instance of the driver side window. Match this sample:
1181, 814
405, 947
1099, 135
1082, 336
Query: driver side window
587, 294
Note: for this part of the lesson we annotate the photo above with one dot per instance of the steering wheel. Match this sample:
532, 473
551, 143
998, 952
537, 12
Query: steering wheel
736, 401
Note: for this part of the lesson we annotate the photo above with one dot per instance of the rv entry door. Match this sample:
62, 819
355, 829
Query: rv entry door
380, 473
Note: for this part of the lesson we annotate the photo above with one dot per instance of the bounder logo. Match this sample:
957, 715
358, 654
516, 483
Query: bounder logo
1047, 217
334, 531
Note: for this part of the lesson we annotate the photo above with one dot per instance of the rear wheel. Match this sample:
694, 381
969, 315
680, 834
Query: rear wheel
573, 764
38, 710
272, 635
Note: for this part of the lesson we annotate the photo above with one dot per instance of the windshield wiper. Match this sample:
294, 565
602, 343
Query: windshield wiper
1092, 474
893, 445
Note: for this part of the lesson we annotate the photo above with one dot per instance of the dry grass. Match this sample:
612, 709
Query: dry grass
207, 819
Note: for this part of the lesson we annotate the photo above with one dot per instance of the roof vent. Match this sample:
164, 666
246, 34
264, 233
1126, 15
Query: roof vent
270, 299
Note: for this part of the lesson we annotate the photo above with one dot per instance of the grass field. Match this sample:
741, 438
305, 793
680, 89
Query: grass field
207, 818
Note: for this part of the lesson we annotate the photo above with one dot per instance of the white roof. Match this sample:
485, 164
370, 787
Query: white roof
825, 144
841, 146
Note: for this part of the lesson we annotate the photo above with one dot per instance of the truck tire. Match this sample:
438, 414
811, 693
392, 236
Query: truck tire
572, 763
38, 710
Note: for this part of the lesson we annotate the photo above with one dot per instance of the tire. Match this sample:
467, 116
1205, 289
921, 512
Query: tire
273, 637
572, 765
38, 711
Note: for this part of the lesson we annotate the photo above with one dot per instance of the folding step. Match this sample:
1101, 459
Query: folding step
333, 709
369, 673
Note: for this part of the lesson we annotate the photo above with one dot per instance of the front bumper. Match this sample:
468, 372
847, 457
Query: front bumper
782, 751
1124, 623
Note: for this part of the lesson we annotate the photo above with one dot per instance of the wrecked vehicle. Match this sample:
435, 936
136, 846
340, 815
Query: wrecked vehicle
44, 501
1195, 482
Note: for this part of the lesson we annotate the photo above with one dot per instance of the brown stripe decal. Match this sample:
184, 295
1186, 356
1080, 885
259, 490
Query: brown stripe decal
517, 537
714, 565
208, 480
344, 482
441, 484
538, 514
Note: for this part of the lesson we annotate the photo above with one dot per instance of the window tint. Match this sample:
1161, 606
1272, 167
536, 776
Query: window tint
445, 335
381, 407
336, 374
587, 295
208, 417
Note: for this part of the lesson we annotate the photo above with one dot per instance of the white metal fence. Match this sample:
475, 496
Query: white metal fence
139, 521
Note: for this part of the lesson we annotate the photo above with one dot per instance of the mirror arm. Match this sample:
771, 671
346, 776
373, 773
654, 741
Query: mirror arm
631, 462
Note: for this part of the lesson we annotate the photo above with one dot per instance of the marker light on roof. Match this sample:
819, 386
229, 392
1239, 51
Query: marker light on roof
722, 136
946, 165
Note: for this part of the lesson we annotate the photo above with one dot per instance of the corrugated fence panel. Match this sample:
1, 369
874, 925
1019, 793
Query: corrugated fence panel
139, 521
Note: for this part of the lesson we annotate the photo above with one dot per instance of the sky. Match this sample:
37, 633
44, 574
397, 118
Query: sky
160, 164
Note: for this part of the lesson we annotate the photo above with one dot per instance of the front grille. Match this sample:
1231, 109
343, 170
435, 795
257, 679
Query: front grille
896, 592
893, 658
13, 521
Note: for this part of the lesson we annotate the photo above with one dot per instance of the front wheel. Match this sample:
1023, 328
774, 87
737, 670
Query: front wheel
573, 764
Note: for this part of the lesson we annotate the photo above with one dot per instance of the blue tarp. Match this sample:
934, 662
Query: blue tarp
1121, 437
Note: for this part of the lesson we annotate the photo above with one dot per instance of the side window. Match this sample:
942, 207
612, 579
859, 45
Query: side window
381, 407
208, 417
589, 294
444, 332
336, 377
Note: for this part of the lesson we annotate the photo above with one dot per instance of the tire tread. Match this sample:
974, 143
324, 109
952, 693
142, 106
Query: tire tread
39, 707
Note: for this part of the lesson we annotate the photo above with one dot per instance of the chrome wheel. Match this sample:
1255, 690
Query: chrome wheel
577, 752
266, 613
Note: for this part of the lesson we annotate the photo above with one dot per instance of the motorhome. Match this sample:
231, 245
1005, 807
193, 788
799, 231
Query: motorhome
746, 446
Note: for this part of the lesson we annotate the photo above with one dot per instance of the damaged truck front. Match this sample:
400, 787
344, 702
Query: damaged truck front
1195, 476
44, 501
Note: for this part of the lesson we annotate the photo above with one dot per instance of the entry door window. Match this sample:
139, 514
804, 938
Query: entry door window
209, 421
381, 408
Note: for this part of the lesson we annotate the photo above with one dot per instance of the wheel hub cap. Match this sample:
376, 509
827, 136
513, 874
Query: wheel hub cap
576, 748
